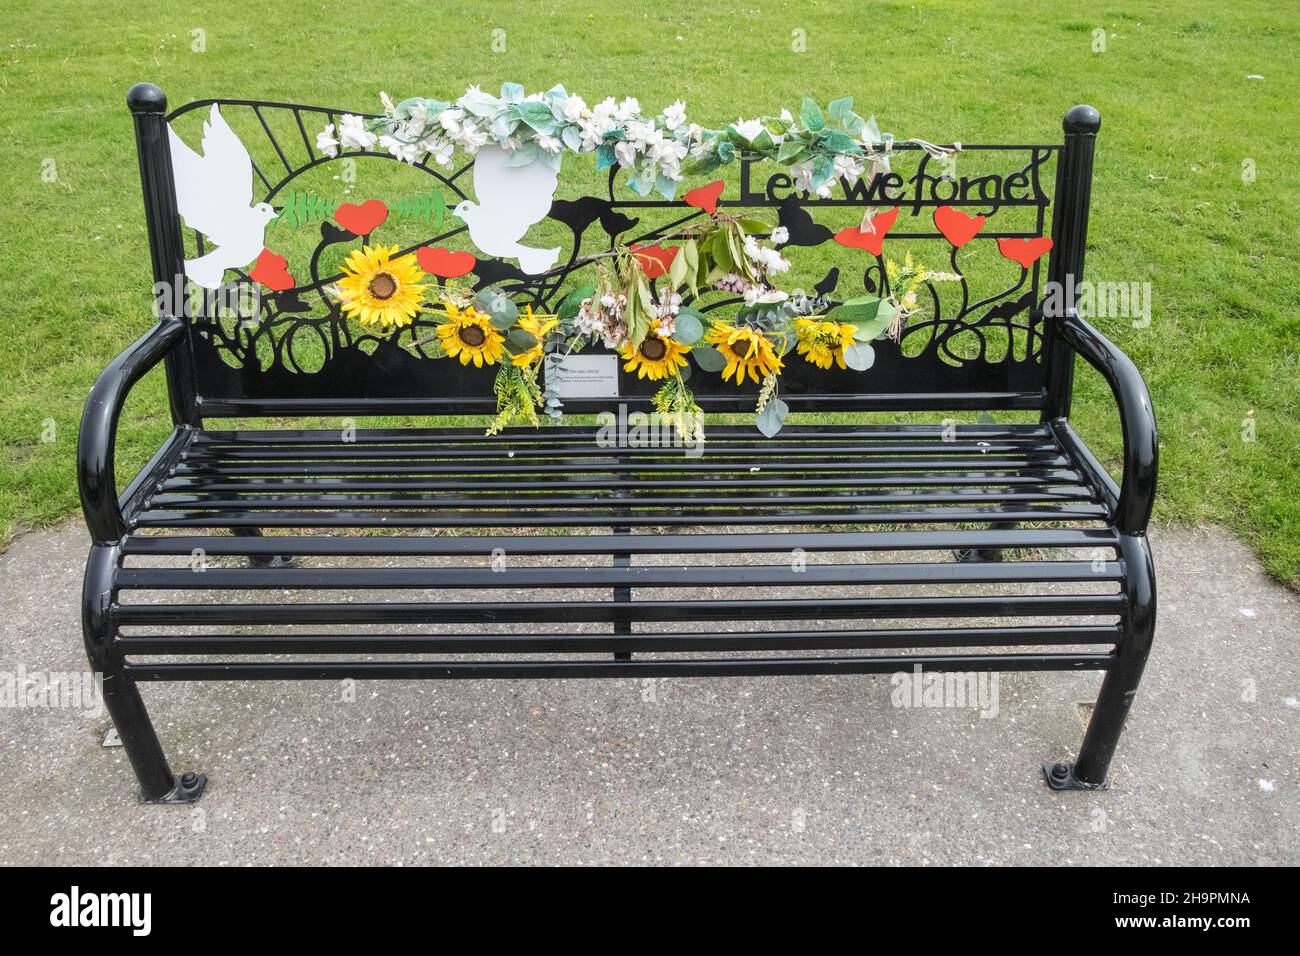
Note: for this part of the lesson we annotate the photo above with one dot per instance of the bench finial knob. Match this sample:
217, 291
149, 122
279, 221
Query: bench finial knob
1082, 119
146, 98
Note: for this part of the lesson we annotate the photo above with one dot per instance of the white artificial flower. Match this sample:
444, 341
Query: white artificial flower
780, 236
353, 132
470, 138
574, 108
450, 119
749, 128
416, 124
439, 149
511, 143
605, 109
593, 134
326, 142
625, 152
627, 109
761, 295
675, 115
406, 152
848, 167
549, 144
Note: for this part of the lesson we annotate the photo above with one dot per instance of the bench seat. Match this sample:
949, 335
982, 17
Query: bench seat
618, 548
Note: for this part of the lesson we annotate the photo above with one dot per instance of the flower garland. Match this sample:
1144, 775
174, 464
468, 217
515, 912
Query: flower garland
635, 307
659, 150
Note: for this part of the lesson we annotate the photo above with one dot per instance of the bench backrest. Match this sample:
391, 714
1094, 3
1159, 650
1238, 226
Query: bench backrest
979, 341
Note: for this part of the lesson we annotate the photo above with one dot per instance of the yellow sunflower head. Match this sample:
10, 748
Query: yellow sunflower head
381, 292
746, 350
539, 326
654, 358
823, 342
468, 334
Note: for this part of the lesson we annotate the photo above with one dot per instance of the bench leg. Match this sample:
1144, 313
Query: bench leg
121, 697
984, 554
1121, 682
263, 560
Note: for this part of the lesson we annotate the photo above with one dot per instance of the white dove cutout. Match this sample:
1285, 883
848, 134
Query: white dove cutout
510, 199
214, 194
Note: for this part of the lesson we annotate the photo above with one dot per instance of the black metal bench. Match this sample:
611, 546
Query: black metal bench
587, 527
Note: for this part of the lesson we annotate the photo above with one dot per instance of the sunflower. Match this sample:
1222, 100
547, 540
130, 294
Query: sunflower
382, 292
469, 334
823, 342
746, 350
538, 326
654, 358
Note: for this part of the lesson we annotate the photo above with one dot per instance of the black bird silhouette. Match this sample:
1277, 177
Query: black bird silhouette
578, 214
828, 284
797, 221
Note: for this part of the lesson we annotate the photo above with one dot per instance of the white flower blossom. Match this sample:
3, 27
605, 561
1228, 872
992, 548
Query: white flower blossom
749, 128
439, 149
406, 152
353, 132
625, 152
627, 109
549, 144
450, 119
780, 236
605, 109
675, 115
326, 142
762, 295
575, 107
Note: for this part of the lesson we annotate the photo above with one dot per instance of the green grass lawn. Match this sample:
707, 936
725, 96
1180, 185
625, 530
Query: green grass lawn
1180, 117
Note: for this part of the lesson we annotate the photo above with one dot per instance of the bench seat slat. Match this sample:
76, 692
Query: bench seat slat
676, 642
518, 670
556, 518
659, 576
515, 612
593, 544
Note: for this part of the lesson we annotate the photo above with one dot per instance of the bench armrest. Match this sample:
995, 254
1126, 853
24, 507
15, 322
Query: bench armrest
96, 478
1137, 420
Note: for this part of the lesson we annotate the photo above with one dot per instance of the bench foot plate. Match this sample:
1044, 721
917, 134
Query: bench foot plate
189, 787
1060, 776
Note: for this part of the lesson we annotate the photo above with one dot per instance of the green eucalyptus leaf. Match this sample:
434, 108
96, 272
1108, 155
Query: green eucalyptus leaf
709, 359
520, 340
500, 309
772, 417
859, 356
689, 326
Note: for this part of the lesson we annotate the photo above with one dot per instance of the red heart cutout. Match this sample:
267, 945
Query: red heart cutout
361, 220
1025, 251
873, 242
654, 260
271, 271
438, 261
705, 197
957, 227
